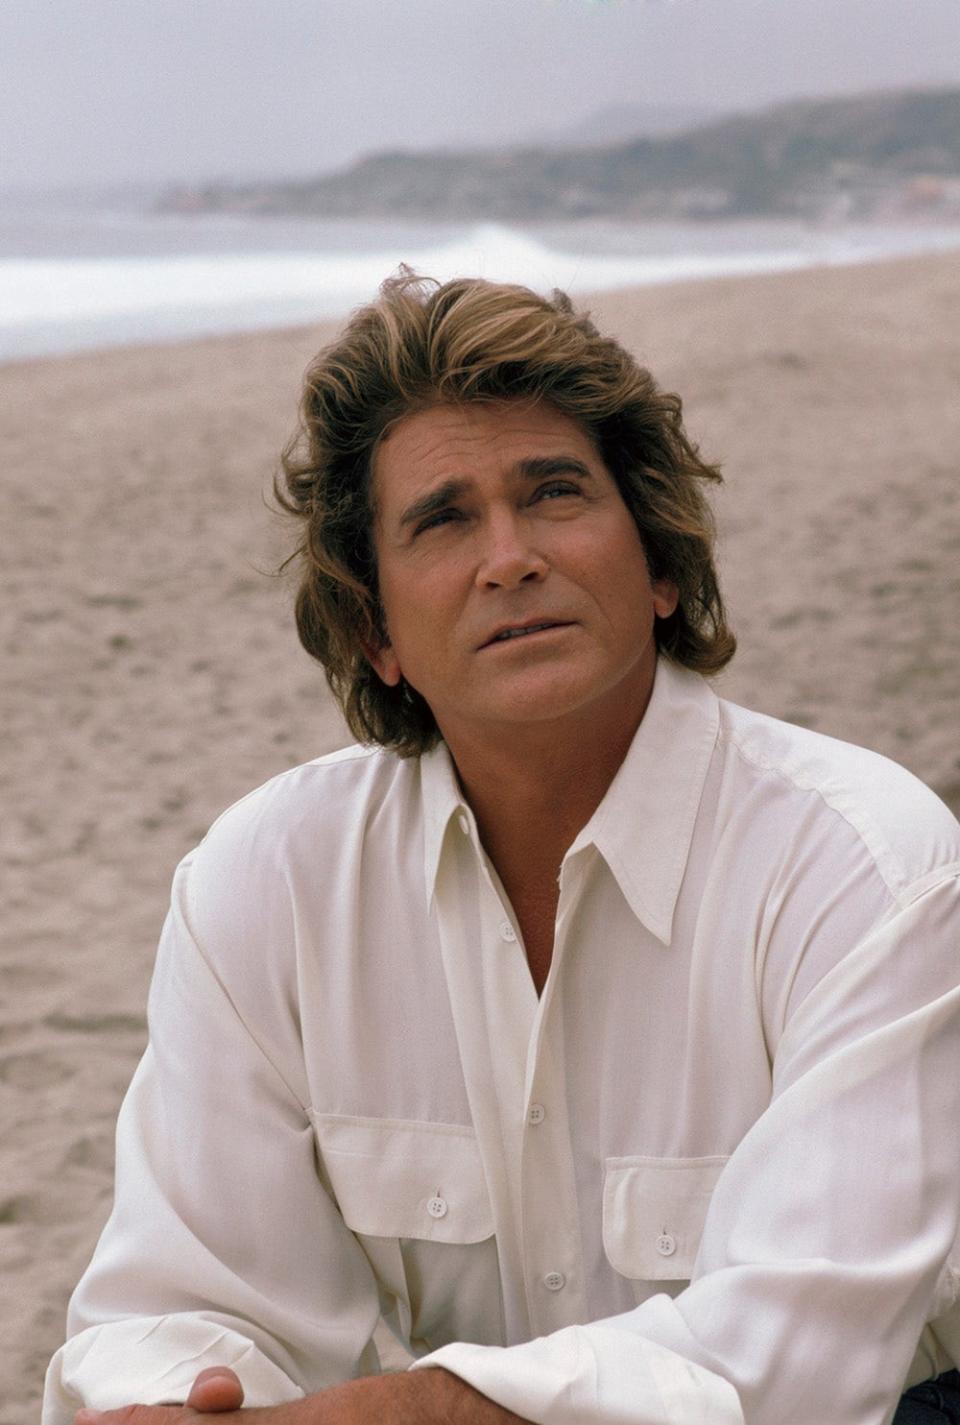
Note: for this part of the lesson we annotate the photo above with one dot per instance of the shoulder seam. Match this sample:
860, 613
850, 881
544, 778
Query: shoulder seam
931, 881
353, 752
877, 848
357, 753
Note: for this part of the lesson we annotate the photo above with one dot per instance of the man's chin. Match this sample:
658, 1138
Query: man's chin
549, 708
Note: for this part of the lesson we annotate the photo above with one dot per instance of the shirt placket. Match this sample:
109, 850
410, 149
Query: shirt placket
549, 1218
513, 1069
527, 1070
494, 1005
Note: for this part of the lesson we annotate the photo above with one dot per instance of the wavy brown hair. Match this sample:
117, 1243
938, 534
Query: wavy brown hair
422, 343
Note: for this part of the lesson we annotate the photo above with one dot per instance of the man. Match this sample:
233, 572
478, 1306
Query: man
600, 1034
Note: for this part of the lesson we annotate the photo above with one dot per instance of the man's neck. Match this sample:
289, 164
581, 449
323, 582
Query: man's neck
536, 787
531, 795
533, 787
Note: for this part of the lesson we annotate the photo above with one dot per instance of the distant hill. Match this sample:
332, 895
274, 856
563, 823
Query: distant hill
875, 155
618, 123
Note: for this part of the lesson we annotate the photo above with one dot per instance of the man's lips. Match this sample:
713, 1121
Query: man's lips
509, 632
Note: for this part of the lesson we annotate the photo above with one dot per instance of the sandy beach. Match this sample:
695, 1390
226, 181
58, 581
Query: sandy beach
152, 672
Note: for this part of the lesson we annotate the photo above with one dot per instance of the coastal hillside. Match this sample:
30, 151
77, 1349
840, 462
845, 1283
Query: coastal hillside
885, 155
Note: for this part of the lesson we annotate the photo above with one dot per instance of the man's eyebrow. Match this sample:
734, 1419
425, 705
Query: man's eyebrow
541, 467
433, 502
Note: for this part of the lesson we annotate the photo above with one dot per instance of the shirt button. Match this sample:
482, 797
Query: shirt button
507, 931
437, 1207
554, 1281
666, 1245
537, 1113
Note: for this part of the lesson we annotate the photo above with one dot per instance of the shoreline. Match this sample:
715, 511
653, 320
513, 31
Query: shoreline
155, 675
148, 298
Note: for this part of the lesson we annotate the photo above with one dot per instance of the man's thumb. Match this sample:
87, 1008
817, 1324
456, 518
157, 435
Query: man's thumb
216, 1388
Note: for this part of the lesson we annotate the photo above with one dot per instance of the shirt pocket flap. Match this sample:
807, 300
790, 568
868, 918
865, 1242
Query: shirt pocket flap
653, 1214
401, 1178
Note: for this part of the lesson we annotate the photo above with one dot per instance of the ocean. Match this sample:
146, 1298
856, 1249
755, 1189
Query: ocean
76, 277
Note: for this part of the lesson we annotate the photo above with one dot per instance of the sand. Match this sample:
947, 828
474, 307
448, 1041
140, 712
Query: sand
152, 673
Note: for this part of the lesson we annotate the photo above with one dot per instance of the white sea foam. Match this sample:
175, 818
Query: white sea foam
59, 303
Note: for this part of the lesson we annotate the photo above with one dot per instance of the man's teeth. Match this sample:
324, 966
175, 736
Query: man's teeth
519, 632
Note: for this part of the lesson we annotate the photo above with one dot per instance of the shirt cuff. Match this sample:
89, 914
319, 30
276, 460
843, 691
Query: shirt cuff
154, 1360
593, 1375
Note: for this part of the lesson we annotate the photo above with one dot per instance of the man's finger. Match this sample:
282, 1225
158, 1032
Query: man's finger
216, 1388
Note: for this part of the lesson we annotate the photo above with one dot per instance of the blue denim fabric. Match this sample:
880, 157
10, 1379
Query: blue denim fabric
933, 1402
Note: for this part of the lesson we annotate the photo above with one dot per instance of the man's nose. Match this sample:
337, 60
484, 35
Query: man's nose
508, 555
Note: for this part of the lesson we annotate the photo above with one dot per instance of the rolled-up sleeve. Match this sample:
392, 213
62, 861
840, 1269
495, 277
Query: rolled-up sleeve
223, 1247
826, 1245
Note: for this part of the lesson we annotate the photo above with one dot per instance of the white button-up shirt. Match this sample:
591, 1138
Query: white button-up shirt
711, 1175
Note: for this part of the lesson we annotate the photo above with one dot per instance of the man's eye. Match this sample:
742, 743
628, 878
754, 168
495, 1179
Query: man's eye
434, 521
555, 489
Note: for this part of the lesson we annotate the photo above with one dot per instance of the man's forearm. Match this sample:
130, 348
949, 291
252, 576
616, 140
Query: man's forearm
426, 1397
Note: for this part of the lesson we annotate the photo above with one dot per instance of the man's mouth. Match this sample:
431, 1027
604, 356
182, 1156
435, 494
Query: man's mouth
521, 631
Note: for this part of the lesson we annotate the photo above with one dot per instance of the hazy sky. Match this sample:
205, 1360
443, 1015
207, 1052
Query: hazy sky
116, 90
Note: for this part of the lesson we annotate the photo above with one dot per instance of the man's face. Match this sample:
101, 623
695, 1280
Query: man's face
513, 581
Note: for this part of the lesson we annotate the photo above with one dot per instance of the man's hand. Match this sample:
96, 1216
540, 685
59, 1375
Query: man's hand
215, 1390
428, 1397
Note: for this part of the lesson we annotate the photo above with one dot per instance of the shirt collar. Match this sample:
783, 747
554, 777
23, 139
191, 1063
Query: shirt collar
442, 801
644, 825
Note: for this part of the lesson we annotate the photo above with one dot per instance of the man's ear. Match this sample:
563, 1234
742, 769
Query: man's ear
384, 662
666, 596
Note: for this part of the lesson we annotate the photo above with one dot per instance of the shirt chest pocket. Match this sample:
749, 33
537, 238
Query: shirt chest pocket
654, 1211
399, 1178
415, 1197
